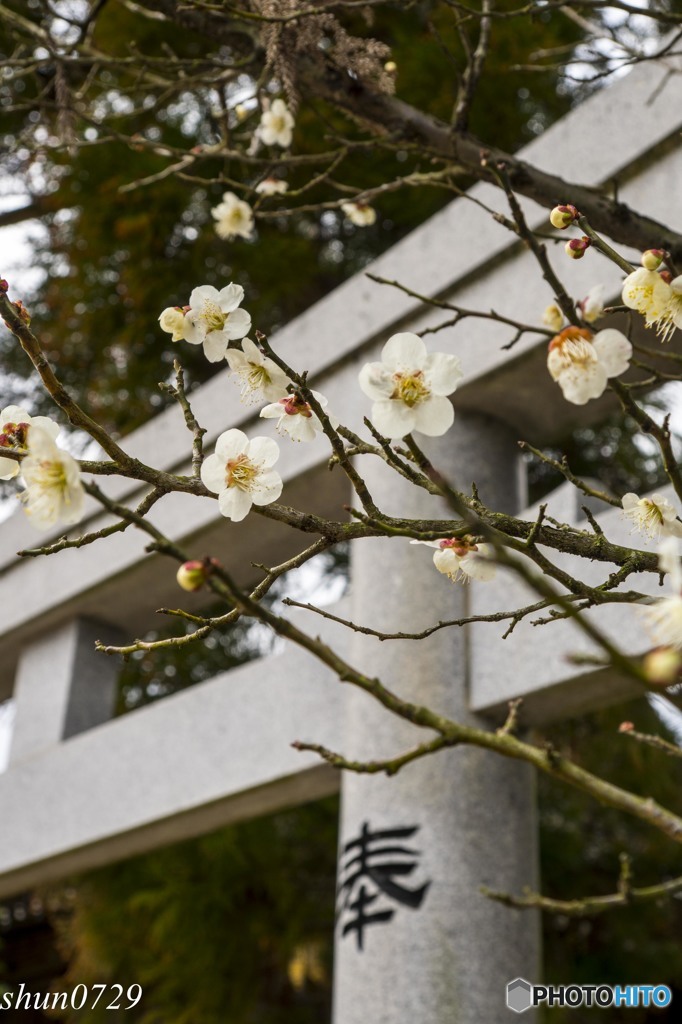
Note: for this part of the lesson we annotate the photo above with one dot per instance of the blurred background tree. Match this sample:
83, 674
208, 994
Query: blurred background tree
111, 260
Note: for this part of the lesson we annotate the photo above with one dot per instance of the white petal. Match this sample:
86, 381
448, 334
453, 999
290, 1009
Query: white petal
277, 388
672, 528
630, 500
434, 416
204, 293
427, 543
234, 503
264, 451
274, 411
404, 351
72, 505
215, 346
443, 372
194, 334
393, 418
236, 359
213, 473
476, 565
8, 469
230, 297
14, 414
580, 384
446, 561
41, 445
252, 352
231, 444
613, 351
376, 381
46, 424
238, 324
555, 363
665, 619
301, 428
267, 489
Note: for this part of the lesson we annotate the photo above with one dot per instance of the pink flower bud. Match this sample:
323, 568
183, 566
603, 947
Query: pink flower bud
626, 727
562, 216
4, 285
192, 575
577, 247
652, 258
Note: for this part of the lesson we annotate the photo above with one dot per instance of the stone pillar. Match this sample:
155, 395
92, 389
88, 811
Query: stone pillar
63, 687
440, 952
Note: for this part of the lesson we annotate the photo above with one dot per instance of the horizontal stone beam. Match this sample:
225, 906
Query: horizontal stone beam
211, 755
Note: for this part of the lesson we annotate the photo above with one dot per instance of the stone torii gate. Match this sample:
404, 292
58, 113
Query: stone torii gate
83, 789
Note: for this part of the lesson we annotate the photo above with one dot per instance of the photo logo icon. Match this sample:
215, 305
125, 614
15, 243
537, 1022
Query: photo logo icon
519, 995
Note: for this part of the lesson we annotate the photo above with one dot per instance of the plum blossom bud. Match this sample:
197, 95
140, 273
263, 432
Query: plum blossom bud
592, 306
173, 321
390, 67
577, 247
553, 317
192, 575
652, 258
562, 216
241, 112
4, 285
662, 666
626, 727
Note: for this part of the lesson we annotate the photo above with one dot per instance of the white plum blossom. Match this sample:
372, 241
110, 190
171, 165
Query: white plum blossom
409, 388
14, 424
295, 417
233, 218
213, 319
647, 292
461, 559
259, 376
361, 214
665, 615
277, 125
272, 187
654, 516
173, 321
592, 306
54, 492
241, 474
581, 363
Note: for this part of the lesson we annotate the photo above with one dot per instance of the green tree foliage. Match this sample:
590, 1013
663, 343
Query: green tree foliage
114, 259
580, 845
235, 926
